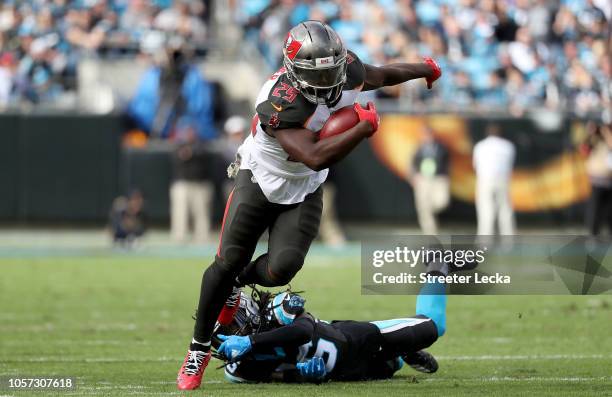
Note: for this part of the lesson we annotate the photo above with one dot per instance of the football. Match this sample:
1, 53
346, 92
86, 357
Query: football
339, 121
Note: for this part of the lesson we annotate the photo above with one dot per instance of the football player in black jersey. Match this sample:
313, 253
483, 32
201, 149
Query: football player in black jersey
274, 339
279, 171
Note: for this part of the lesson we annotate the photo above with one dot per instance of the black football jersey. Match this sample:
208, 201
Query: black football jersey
349, 348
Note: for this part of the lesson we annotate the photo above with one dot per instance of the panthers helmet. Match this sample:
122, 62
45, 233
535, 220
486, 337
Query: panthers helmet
315, 60
246, 321
285, 307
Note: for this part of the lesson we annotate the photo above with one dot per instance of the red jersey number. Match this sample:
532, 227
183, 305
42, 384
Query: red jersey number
290, 92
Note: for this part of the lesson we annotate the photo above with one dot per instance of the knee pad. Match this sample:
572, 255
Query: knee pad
233, 258
223, 267
284, 266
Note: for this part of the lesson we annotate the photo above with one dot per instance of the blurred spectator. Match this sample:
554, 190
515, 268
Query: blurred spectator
581, 89
87, 28
7, 69
506, 27
463, 91
430, 179
47, 38
330, 230
599, 168
493, 160
137, 18
539, 19
235, 129
127, 219
522, 52
173, 99
494, 92
183, 18
191, 192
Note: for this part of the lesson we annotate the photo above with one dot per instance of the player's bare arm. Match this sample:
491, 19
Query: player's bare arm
397, 73
304, 146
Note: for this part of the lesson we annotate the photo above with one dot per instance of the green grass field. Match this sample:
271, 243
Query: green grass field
120, 324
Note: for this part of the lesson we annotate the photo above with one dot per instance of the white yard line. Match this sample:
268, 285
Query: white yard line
64, 359
526, 357
521, 379
91, 342
48, 327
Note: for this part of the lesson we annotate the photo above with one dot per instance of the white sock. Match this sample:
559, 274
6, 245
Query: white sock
205, 344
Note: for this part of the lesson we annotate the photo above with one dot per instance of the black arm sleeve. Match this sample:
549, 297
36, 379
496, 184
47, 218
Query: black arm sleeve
288, 336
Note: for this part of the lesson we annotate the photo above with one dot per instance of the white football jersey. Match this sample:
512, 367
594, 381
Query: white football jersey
280, 106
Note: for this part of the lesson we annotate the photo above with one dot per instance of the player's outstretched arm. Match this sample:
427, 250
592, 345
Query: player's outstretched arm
304, 146
397, 73
287, 337
235, 347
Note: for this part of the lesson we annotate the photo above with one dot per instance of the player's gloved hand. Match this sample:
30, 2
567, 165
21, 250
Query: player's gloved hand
368, 114
313, 369
436, 71
234, 347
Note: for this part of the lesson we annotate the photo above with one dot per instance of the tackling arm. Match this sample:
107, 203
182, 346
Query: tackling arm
289, 336
264, 346
396, 73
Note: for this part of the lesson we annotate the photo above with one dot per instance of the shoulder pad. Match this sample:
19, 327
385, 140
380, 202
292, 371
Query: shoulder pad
355, 71
285, 107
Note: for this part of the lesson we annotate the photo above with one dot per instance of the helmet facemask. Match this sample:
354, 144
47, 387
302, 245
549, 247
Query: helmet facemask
316, 62
319, 85
246, 321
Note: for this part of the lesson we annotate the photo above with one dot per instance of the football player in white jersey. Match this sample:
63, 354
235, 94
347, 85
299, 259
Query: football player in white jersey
282, 165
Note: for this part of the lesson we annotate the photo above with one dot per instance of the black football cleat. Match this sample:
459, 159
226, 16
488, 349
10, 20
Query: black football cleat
421, 361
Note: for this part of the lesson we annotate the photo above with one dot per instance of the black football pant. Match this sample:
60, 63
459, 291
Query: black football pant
409, 336
248, 214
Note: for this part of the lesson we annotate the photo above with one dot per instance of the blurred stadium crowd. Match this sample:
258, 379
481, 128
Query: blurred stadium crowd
496, 54
42, 41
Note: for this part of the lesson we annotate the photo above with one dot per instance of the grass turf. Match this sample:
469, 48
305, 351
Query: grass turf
121, 324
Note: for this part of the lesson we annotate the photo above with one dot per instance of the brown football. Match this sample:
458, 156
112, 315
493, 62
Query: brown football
339, 121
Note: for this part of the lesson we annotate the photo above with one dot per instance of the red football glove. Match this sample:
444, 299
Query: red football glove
437, 72
369, 114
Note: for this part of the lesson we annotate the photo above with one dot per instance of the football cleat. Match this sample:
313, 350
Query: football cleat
230, 308
192, 370
421, 361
